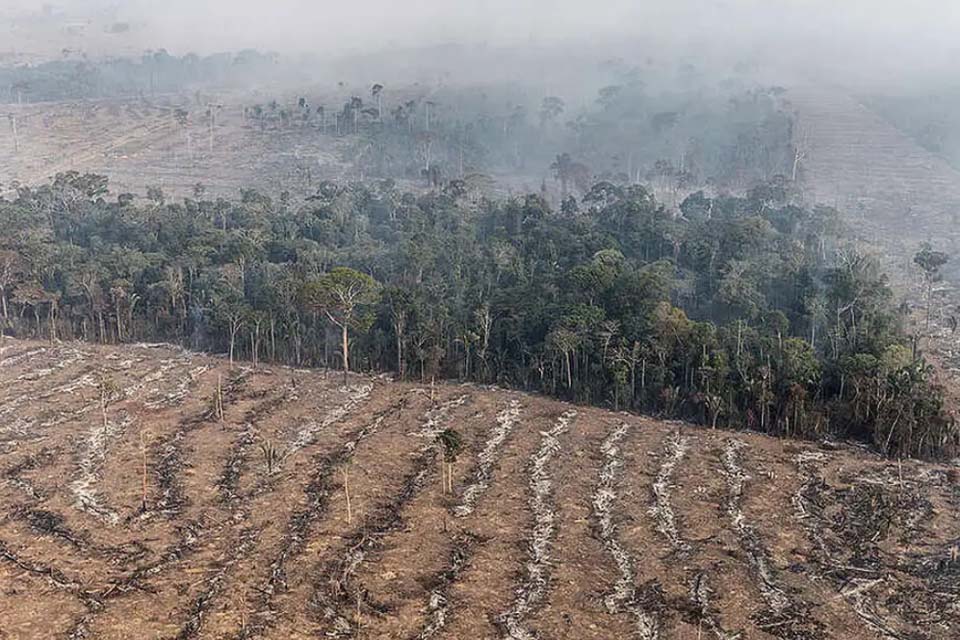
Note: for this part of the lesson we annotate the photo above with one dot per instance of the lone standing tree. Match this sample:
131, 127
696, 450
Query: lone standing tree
451, 443
930, 262
344, 295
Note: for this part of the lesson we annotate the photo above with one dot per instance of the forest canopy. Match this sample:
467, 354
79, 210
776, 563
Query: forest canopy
731, 311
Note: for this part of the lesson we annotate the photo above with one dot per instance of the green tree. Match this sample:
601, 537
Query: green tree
230, 311
930, 262
9, 271
344, 296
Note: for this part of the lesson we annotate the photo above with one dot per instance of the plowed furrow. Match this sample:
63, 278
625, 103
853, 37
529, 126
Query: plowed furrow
439, 606
339, 598
623, 596
532, 589
662, 510
788, 617
487, 459
318, 491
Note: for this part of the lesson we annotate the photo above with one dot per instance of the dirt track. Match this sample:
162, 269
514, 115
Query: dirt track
560, 524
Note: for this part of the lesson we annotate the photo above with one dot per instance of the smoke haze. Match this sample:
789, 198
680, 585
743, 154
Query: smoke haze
857, 40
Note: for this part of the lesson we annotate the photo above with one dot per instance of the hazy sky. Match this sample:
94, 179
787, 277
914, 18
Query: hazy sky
895, 36
298, 23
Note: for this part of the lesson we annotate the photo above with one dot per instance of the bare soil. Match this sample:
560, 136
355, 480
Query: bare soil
559, 524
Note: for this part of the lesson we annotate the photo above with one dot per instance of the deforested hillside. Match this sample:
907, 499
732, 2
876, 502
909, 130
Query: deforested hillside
853, 154
152, 492
167, 143
894, 195
888, 186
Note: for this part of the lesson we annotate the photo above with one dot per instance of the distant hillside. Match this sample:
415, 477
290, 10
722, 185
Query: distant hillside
893, 194
928, 116
877, 175
139, 501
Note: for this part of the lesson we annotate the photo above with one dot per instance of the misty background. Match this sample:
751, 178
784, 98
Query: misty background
859, 41
898, 59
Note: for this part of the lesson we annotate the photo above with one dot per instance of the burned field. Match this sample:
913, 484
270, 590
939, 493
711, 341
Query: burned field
143, 143
149, 492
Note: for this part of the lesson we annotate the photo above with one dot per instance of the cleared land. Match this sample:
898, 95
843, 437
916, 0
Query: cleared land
141, 143
562, 522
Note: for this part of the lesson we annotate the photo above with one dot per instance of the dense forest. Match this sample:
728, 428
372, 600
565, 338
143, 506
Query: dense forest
745, 311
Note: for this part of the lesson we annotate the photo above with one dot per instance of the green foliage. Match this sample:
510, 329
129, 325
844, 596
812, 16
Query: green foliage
344, 295
930, 261
742, 311
451, 442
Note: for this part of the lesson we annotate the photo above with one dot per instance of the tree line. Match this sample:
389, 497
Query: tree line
154, 72
672, 140
730, 311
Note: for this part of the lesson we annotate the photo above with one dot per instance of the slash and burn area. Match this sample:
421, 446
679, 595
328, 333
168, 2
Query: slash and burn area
189, 499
